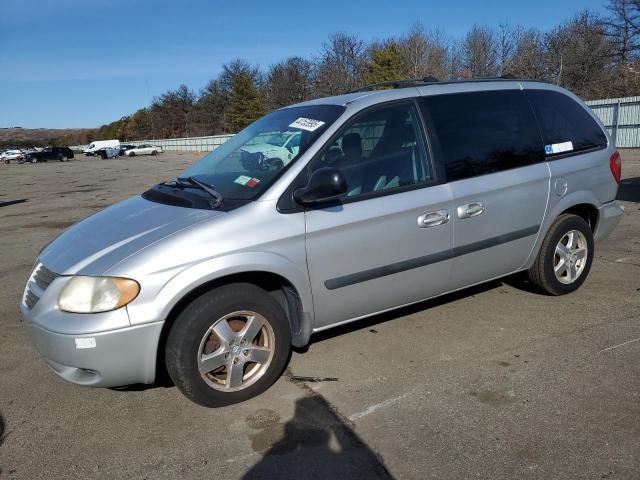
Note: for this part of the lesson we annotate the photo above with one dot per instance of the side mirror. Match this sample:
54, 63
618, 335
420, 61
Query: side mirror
325, 184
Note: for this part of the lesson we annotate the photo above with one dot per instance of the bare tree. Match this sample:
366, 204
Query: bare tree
528, 58
480, 49
507, 43
289, 81
622, 27
172, 108
424, 52
578, 56
340, 66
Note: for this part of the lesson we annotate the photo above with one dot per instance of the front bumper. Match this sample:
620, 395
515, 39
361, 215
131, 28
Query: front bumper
97, 350
609, 215
105, 359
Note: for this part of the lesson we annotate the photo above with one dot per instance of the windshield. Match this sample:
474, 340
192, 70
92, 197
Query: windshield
245, 165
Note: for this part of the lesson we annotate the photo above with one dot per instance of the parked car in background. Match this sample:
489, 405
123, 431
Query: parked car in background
98, 144
393, 197
126, 146
143, 150
107, 152
62, 154
12, 155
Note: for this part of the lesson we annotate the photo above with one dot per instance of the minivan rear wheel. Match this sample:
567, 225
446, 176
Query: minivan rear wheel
565, 257
228, 345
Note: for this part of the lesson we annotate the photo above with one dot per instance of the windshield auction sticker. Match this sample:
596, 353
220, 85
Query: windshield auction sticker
308, 124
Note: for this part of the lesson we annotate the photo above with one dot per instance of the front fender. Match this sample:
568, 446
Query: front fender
198, 274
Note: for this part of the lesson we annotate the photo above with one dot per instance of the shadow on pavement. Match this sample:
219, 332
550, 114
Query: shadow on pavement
315, 444
13, 202
629, 190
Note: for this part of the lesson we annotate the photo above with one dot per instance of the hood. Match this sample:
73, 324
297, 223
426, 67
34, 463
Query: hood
102, 240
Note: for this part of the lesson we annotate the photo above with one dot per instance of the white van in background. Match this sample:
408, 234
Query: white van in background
98, 144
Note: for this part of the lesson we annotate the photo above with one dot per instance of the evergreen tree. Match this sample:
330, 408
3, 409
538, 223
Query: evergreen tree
246, 102
386, 64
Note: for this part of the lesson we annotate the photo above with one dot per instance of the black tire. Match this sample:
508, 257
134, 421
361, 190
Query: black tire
33, 160
191, 326
154, 152
132, 154
542, 272
63, 158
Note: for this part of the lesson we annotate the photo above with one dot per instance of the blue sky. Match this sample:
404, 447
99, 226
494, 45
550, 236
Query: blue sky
83, 63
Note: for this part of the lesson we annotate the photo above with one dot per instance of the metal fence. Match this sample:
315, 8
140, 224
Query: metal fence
621, 116
191, 144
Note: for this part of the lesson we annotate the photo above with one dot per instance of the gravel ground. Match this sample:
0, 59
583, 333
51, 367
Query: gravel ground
492, 382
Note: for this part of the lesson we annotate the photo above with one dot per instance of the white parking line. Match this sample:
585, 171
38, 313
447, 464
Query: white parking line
241, 457
622, 344
378, 406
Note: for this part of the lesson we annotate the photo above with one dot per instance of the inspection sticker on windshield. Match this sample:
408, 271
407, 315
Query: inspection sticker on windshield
308, 124
89, 342
242, 180
246, 181
558, 148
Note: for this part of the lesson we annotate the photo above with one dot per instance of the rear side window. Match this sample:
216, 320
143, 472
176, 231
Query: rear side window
478, 133
565, 125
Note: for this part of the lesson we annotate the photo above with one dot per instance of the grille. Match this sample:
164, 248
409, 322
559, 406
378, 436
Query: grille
40, 279
43, 277
30, 299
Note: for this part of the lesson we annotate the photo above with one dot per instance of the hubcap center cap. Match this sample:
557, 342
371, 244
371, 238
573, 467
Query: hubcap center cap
236, 350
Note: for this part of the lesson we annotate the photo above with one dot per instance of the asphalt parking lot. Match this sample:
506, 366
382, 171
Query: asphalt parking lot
494, 382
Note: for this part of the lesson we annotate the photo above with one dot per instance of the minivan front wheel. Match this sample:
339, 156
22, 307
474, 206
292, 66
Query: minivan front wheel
228, 345
565, 256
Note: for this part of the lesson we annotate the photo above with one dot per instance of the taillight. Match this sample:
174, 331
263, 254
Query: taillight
615, 163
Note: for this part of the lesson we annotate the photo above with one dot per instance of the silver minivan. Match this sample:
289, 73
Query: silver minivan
320, 214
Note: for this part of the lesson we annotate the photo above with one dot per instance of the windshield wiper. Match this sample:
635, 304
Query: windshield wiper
216, 198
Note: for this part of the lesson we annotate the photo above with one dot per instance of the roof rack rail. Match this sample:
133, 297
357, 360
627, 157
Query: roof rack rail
429, 80
411, 82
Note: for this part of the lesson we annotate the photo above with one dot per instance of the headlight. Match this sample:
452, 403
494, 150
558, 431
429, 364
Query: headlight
97, 294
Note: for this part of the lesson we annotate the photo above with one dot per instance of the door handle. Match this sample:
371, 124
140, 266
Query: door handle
470, 210
433, 219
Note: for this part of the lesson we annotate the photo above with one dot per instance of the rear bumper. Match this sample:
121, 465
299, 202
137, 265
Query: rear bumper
609, 215
107, 359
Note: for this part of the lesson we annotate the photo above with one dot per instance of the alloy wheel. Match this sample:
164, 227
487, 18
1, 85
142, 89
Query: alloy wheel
236, 351
570, 257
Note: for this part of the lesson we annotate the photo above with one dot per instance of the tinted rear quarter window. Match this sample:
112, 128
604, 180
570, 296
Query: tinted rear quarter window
478, 133
562, 120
